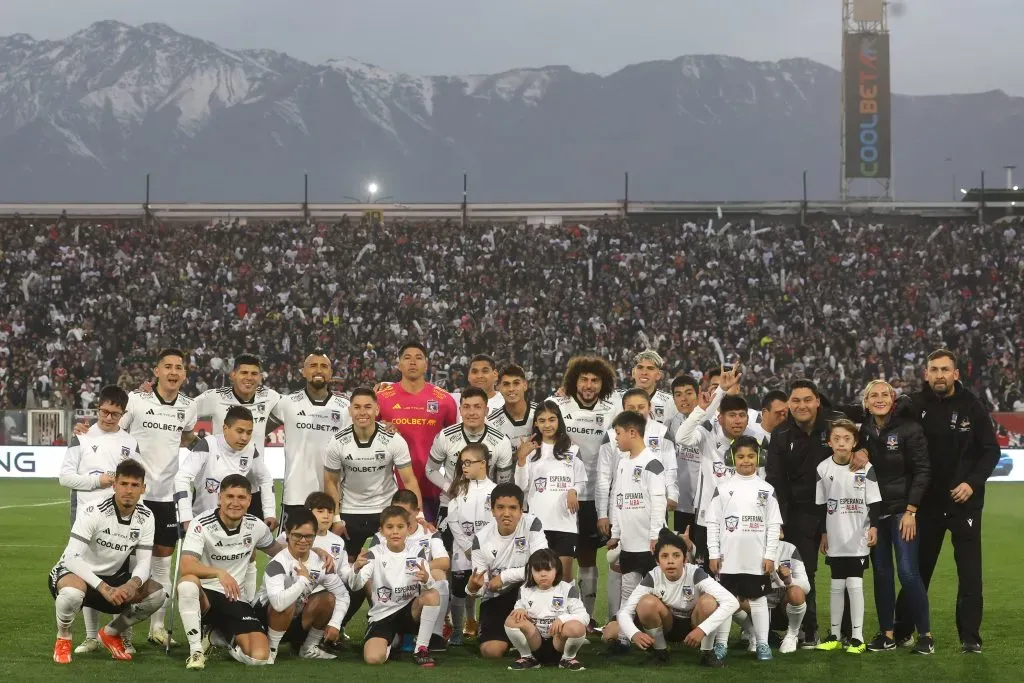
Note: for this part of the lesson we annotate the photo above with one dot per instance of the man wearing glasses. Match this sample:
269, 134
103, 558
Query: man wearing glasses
88, 470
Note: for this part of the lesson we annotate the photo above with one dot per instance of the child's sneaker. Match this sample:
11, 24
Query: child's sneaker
571, 664
524, 664
423, 658
764, 652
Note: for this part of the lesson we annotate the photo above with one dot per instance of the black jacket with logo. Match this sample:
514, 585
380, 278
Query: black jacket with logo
899, 456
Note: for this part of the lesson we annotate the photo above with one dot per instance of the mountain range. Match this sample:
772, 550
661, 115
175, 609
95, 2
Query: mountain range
86, 117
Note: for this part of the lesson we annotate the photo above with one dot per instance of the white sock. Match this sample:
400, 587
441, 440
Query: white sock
249, 584
91, 618
588, 588
471, 607
135, 613
708, 641
458, 607
659, 637
275, 638
760, 616
742, 619
519, 641
239, 656
722, 634
835, 606
855, 587
160, 571
428, 617
572, 646
69, 601
795, 614
442, 590
614, 593
313, 639
191, 615
630, 580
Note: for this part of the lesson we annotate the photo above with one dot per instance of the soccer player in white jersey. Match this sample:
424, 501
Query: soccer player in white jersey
744, 523
214, 457
685, 392
647, 373
549, 622
402, 591
789, 589
300, 601
482, 374
469, 510
551, 474
588, 411
311, 418
93, 570
514, 419
676, 602
160, 420
444, 453
500, 553
88, 471
852, 502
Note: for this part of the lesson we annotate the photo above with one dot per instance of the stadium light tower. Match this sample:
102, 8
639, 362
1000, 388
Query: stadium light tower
372, 188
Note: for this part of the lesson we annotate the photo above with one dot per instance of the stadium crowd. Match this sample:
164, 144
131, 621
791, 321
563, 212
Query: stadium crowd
89, 303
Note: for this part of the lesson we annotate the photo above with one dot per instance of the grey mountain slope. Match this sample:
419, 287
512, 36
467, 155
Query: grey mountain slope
85, 118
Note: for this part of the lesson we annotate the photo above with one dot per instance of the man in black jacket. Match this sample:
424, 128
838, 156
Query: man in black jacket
963, 451
797, 447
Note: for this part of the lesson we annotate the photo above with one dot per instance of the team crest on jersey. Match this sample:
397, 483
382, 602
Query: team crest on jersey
893, 442
659, 411
786, 563
653, 441
134, 534
732, 522
600, 420
260, 407
519, 543
557, 603
383, 594
468, 528
487, 501
335, 416
687, 592
832, 505
858, 479
540, 484
181, 415
637, 471
719, 469
243, 461
762, 498
336, 550
411, 565
433, 407
212, 485
314, 574
380, 455
424, 542
125, 452
618, 500
247, 541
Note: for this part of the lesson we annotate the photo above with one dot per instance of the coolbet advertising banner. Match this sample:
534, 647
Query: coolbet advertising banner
868, 106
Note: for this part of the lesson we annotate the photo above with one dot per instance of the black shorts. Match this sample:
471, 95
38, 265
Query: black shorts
699, 536
749, 586
165, 523
586, 521
360, 527
562, 542
231, 617
493, 614
546, 653
640, 563
681, 627
847, 567
286, 510
458, 583
397, 623
681, 520
448, 540
256, 505
93, 598
295, 635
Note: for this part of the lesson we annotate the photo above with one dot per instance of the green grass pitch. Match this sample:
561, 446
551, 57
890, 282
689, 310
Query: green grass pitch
34, 529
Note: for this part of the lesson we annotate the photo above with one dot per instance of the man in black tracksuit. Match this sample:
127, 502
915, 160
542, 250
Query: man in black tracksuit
963, 451
797, 447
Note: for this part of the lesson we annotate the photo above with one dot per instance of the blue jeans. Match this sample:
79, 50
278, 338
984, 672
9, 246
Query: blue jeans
890, 540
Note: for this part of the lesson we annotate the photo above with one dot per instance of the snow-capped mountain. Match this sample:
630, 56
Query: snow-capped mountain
86, 117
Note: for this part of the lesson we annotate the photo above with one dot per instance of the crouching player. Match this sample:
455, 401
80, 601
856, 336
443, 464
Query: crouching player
401, 590
291, 603
549, 622
676, 602
93, 571
789, 589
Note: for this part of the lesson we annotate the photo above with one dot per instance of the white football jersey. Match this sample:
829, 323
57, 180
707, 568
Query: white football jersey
393, 578
679, 597
90, 456
546, 483
331, 543
430, 543
467, 514
561, 601
215, 404
515, 430
448, 444
638, 501
846, 496
506, 556
687, 466
214, 545
204, 468
788, 556
101, 542
743, 524
158, 426
663, 408
308, 428
283, 587
659, 440
366, 470
587, 427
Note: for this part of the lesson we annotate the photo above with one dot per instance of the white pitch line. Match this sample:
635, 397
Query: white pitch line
33, 505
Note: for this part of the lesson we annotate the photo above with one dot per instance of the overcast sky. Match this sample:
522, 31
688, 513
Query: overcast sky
938, 46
